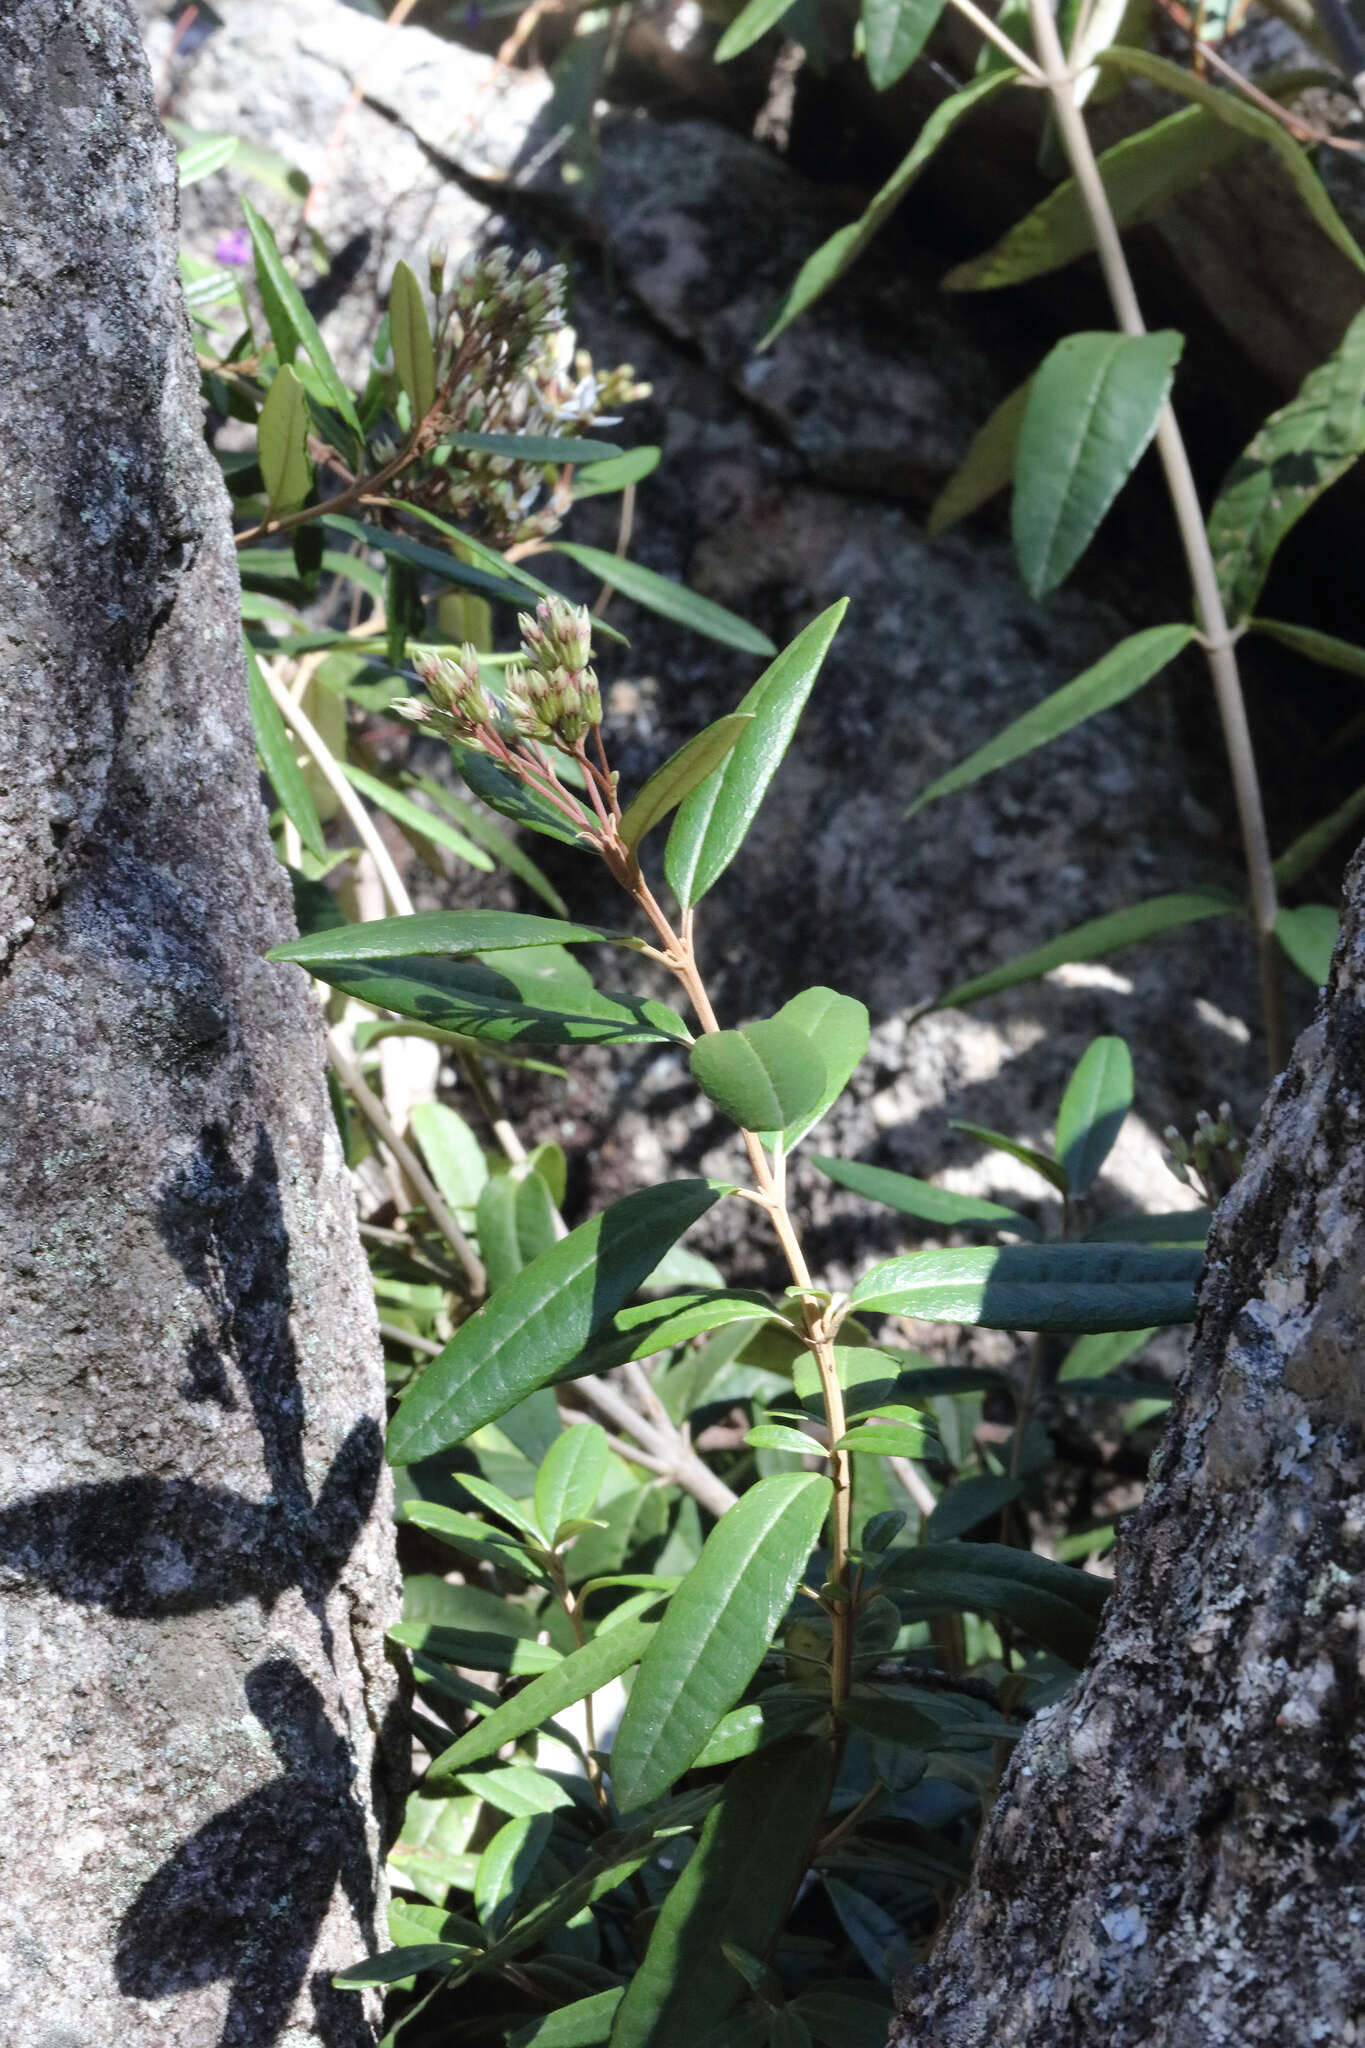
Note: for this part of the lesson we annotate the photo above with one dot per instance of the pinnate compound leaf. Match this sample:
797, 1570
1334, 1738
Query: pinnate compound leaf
1038, 1287
1113, 678
414, 358
988, 466
1309, 937
1057, 1605
736, 1889
680, 775
504, 1004
752, 21
291, 324
1301, 449
670, 600
1091, 412
717, 1626
763, 1075
570, 1476
530, 1329
711, 824
582, 1672
894, 33
920, 1198
1098, 1097
839, 1028
282, 442
453, 933
1092, 941
276, 750
833, 257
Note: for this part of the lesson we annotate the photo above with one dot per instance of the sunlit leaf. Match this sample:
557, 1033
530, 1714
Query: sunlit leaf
1092, 941
453, 933
761, 1076
669, 599
680, 774
839, 1028
1038, 1287
410, 335
1098, 1097
276, 750
894, 33
920, 1198
282, 442
291, 324
753, 20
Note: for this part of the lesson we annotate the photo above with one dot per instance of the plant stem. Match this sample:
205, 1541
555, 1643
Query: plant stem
1219, 644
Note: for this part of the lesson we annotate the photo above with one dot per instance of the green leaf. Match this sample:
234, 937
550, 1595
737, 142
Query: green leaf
1098, 1097
1309, 937
397, 1963
849, 2015
399, 547
276, 750
989, 463
680, 774
542, 1319
764, 1075
752, 21
1091, 412
410, 334
711, 825
1303, 856
495, 841
517, 1791
736, 1889
894, 33
506, 1866
570, 1476
876, 1936
557, 448
415, 818
777, 1436
919, 1198
502, 792
888, 1439
454, 933
1038, 1287
968, 1504
281, 442
1290, 462
670, 600
717, 1626
652, 1326
203, 157
1112, 679
1037, 1162
1092, 941
582, 1672
1323, 647
1092, 1357
1231, 109
599, 479
515, 1223
890, 1720
833, 257
454, 1156
743, 1730
475, 1649
1057, 1605
291, 324
584, 2024
839, 1028
1175, 1226
1141, 175
504, 1004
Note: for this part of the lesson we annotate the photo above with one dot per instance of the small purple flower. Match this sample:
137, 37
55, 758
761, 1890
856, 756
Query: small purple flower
233, 248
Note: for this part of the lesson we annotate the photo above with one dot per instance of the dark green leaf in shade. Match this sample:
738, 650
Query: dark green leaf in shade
969, 1503
556, 448
1055, 1604
523, 1336
1309, 936
669, 599
920, 1198
753, 21
502, 792
439, 562
410, 334
763, 1075
584, 2024
988, 465
291, 324
1174, 1226
397, 1963
276, 750
846, 2015
1315, 646
1098, 1097
679, 776
1038, 1287
1303, 856
1092, 941
889, 1720
878, 1938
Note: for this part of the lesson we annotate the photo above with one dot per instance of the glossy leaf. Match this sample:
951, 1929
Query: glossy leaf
439, 562
753, 21
1098, 1097
778, 1711
570, 1476
894, 33
515, 1223
507, 1865
201, 158
839, 1028
453, 933
1092, 1357
599, 479
712, 823
888, 1439
736, 1889
669, 599
475, 1649
503, 793
833, 257
1055, 1604
717, 1626
1038, 1287
1117, 675
1309, 936
517, 1790
778, 1436
1092, 941
291, 324
761, 1076
520, 1339
1301, 449
679, 776
276, 750
652, 1326
988, 466
414, 358
581, 1673
397, 1963
1091, 412
586, 2023
282, 442
556, 448
920, 1198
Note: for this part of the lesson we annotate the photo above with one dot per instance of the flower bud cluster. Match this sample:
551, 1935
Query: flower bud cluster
1212, 1157
510, 307
461, 707
554, 697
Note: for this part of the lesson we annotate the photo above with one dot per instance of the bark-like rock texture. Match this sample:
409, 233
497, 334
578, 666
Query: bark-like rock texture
197, 1754
1175, 1860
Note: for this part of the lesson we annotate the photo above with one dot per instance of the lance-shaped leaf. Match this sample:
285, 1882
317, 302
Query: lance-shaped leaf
1091, 941
276, 750
543, 1318
1093, 408
989, 463
1057, 1605
515, 1223
920, 1198
764, 1075
1098, 1097
586, 2023
410, 334
753, 20
833, 257
1038, 1287
1141, 176
502, 792
291, 324
415, 818
735, 1891
1309, 937
400, 547
556, 448
1114, 677
1308, 849
670, 600
778, 1711
397, 1963
204, 156
839, 1028
1169, 1226
714, 1633
453, 933
579, 1674
1323, 647
652, 1326
601, 478
504, 1005
1027, 1155
282, 442
506, 1866
1297, 454
971, 1502
680, 775
570, 1476
711, 825
894, 33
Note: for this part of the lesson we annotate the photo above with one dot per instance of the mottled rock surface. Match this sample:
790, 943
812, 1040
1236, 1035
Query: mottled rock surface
197, 1754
